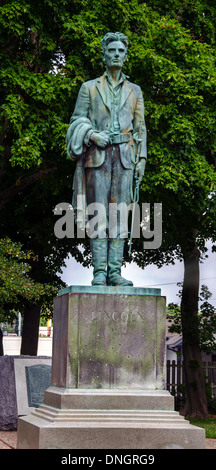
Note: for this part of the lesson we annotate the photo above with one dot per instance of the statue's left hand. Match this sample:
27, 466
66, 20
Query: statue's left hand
140, 168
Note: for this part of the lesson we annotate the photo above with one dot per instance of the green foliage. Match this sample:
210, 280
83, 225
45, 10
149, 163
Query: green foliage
176, 73
15, 282
34, 93
174, 318
206, 321
198, 17
207, 324
48, 49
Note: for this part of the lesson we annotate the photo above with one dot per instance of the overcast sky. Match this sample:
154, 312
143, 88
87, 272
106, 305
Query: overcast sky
165, 278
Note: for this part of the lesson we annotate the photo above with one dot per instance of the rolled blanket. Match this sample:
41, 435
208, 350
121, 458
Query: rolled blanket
75, 137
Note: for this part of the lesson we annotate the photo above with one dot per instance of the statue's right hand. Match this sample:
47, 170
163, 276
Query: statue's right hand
101, 139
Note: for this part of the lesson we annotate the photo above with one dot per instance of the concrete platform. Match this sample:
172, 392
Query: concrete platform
8, 440
128, 426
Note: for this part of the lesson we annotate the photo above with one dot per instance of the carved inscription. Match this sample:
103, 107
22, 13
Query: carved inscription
122, 317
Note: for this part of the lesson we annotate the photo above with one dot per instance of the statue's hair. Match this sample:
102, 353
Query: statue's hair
110, 37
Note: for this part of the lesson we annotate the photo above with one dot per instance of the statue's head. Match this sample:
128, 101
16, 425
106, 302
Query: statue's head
114, 44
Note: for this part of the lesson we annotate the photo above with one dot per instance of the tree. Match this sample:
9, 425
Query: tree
16, 286
179, 88
34, 118
51, 48
33, 225
15, 282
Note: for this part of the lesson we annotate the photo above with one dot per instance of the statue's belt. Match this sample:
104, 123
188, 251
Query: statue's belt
119, 138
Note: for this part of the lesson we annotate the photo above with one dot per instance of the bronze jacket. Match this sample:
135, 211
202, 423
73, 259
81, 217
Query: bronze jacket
93, 112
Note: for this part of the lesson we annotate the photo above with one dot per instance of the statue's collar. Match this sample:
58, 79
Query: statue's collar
123, 77
102, 88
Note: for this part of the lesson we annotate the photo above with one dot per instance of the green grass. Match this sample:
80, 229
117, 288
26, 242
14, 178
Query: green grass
209, 424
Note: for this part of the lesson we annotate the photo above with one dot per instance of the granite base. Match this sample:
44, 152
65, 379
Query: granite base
108, 377
107, 420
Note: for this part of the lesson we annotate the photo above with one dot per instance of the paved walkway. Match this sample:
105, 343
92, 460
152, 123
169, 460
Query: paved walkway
8, 440
210, 443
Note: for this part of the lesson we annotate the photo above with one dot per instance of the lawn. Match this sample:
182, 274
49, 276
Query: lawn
209, 424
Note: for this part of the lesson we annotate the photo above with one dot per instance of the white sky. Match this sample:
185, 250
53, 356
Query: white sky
165, 278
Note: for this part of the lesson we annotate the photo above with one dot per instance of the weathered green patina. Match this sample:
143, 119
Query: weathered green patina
109, 341
118, 290
105, 127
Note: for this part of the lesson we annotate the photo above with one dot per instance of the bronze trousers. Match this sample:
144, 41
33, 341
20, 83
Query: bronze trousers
108, 189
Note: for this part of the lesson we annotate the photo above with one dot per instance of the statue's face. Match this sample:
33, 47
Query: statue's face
115, 54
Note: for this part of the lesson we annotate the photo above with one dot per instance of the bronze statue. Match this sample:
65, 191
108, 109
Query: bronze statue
103, 136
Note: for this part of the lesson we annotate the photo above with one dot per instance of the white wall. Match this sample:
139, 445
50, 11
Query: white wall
171, 355
12, 345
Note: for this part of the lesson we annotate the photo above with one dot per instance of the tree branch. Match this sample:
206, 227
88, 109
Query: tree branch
8, 194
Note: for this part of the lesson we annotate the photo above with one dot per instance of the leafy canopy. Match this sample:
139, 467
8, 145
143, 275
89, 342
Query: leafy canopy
50, 47
16, 285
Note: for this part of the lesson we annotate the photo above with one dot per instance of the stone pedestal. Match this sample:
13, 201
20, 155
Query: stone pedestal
108, 376
109, 340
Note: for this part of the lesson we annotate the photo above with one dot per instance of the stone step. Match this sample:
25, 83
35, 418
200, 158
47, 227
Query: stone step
105, 399
108, 416
117, 434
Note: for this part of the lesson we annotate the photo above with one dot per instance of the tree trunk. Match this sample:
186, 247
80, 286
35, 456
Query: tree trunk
30, 331
196, 403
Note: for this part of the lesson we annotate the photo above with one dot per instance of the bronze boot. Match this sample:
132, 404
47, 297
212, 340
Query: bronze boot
99, 261
115, 257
